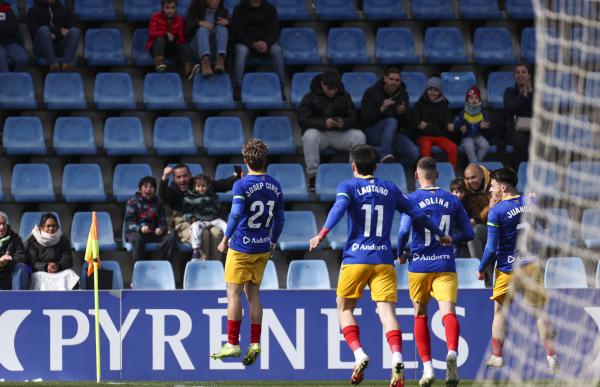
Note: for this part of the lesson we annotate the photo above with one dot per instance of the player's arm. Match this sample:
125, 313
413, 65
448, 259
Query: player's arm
420, 218
465, 229
237, 210
278, 221
342, 200
403, 235
491, 246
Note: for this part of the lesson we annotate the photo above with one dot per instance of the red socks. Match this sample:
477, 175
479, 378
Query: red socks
233, 332
351, 334
497, 345
394, 339
452, 331
549, 346
255, 333
422, 338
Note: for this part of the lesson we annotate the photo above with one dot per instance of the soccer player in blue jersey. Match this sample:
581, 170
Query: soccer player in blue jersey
255, 223
504, 223
367, 257
431, 268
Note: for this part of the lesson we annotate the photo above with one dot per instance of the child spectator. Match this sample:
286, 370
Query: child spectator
11, 44
470, 122
458, 188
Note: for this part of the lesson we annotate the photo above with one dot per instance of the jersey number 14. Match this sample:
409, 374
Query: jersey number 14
444, 226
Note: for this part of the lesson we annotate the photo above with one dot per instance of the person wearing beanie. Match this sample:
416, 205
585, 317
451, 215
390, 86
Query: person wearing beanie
432, 122
471, 121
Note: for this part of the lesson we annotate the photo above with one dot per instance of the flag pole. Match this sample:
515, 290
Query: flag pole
97, 319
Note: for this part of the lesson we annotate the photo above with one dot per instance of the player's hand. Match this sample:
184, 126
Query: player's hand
223, 245
446, 240
480, 276
403, 258
166, 173
314, 242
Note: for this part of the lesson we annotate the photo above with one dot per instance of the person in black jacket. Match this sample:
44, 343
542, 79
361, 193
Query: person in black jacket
11, 252
11, 44
384, 110
54, 34
328, 118
518, 102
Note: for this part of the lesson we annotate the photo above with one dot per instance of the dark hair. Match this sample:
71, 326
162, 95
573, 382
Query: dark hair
365, 159
163, 2
458, 184
46, 216
392, 70
147, 180
331, 79
180, 166
523, 64
207, 180
505, 176
255, 153
428, 166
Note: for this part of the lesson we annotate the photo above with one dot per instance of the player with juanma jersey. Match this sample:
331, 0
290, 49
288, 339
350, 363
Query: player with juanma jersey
514, 272
254, 226
431, 267
367, 257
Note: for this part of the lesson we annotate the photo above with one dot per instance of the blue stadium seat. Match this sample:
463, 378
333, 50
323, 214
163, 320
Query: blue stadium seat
262, 91
223, 135
491, 165
291, 9
444, 45
583, 180
224, 171
395, 45
83, 183
558, 227
308, 274
329, 176
126, 179
117, 279
1, 191
479, 9
447, 174
64, 91
182, 7
401, 275
153, 275
395, 229
14, 6
152, 246
597, 282
415, 85
140, 10
163, 91
95, 10
74, 136
561, 90
590, 228
23, 135
336, 9
588, 36
493, 46
299, 227
104, 47
455, 86
277, 132
30, 219
347, 46
393, 173
32, 183
230, 5
496, 84
124, 136
80, 229
141, 56
270, 279
20, 276
16, 91
384, 9
301, 86
204, 275
466, 269
577, 134
213, 92
592, 88
432, 9
338, 235
174, 136
528, 44
544, 173
356, 83
300, 46
565, 273
114, 91
520, 9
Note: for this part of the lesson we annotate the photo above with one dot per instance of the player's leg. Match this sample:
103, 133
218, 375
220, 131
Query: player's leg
498, 334
547, 335
419, 289
351, 333
256, 312
234, 321
445, 290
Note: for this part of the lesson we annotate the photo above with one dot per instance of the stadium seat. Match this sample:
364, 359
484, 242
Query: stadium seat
528, 44
163, 91
298, 228
338, 235
291, 9
224, 171
308, 274
64, 91
329, 176
520, 9
262, 91
20, 276
590, 228
117, 275
14, 6
347, 46
126, 179
277, 132
587, 36
270, 279
558, 227
114, 91
544, 174
393, 173
561, 90
432, 9
565, 273
103, 47
394, 45
16, 91
30, 219
583, 180
292, 180
491, 165
301, 86
182, 7
23, 135
479, 9
213, 92
336, 9
140, 10
95, 10
300, 46
153, 275
444, 45
124, 136
597, 282
415, 85
395, 229
493, 46
446, 172
204, 275
141, 56
592, 89
223, 135
356, 83
401, 275
80, 229
74, 136
152, 246
32, 183
230, 5
174, 136
384, 9
83, 183
466, 269
496, 85
577, 134
455, 86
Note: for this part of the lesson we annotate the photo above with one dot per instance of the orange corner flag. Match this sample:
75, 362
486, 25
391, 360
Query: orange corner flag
92, 250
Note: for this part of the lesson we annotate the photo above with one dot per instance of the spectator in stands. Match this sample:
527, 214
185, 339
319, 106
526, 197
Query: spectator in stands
432, 122
328, 118
458, 188
207, 20
518, 104
146, 221
50, 256
255, 29
471, 122
11, 251
166, 38
384, 114
54, 33
11, 44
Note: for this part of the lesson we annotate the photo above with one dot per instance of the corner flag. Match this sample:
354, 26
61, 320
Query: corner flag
92, 250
